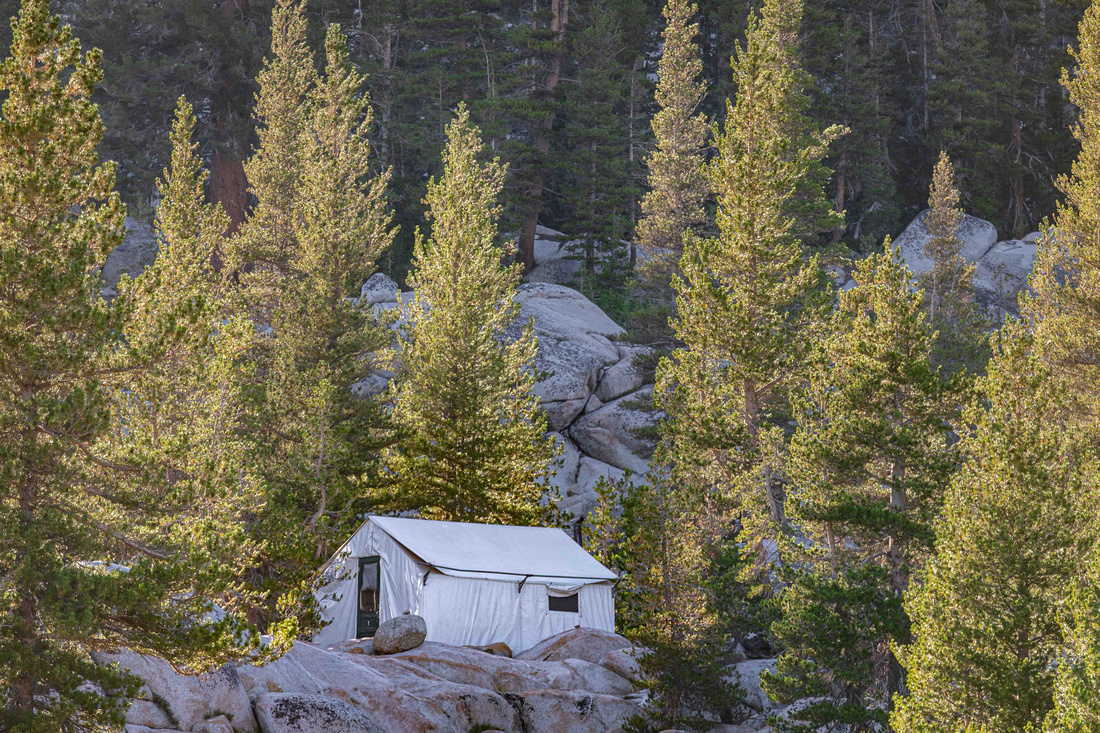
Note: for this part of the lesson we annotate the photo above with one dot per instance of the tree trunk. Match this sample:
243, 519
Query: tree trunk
228, 185
559, 20
21, 691
841, 192
772, 492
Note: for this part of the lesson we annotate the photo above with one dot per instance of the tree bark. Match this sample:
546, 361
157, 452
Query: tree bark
228, 185
559, 20
21, 691
772, 493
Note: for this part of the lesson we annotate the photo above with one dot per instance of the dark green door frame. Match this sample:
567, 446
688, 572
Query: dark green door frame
367, 619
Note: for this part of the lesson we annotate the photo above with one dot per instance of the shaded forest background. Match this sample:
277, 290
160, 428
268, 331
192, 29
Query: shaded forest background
563, 92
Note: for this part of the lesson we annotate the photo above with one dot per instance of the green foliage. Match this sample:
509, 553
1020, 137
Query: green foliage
847, 55
1077, 685
674, 205
319, 224
662, 549
1016, 523
961, 341
748, 298
869, 464
473, 445
1065, 278
153, 53
104, 456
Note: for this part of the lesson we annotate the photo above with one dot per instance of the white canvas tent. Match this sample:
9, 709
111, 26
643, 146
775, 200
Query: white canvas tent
474, 584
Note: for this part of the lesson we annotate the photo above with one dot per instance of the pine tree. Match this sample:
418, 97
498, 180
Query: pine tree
275, 170
319, 225
869, 465
78, 492
661, 548
1077, 685
154, 52
748, 298
675, 204
846, 52
1016, 523
948, 284
1065, 277
474, 447
948, 287
593, 159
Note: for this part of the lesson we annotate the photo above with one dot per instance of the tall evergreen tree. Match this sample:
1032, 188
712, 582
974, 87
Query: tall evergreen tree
474, 447
748, 298
869, 465
675, 204
661, 546
846, 52
77, 491
948, 286
593, 159
1015, 525
1066, 276
948, 283
1077, 685
1063, 312
319, 224
155, 52
275, 170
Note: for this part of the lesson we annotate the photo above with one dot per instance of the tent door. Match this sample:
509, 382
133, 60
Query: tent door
370, 573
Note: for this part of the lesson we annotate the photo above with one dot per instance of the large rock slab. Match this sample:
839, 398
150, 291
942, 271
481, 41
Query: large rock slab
147, 714
626, 376
400, 634
975, 235
566, 314
625, 663
590, 472
379, 288
189, 700
568, 464
1005, 268
611, 433
576, 712
398, 695
581, 643
280, 712
137, 251
556, 271
463, 665
746, 675
219, 724
567, 369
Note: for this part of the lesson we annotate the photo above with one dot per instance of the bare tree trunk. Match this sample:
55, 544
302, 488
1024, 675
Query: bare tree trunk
21, 690
841, 193
772, 492
228, 184
559, 20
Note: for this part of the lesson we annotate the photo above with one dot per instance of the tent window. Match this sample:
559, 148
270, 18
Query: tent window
568, 604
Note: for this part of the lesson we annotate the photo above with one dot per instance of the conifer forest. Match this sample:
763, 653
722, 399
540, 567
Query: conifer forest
787, 311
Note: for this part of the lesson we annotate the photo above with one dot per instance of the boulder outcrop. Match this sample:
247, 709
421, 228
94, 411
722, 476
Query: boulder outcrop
400, 634
280, 712
571, 684
184, 701
975, 235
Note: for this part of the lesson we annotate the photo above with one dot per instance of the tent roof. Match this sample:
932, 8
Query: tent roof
495, 552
